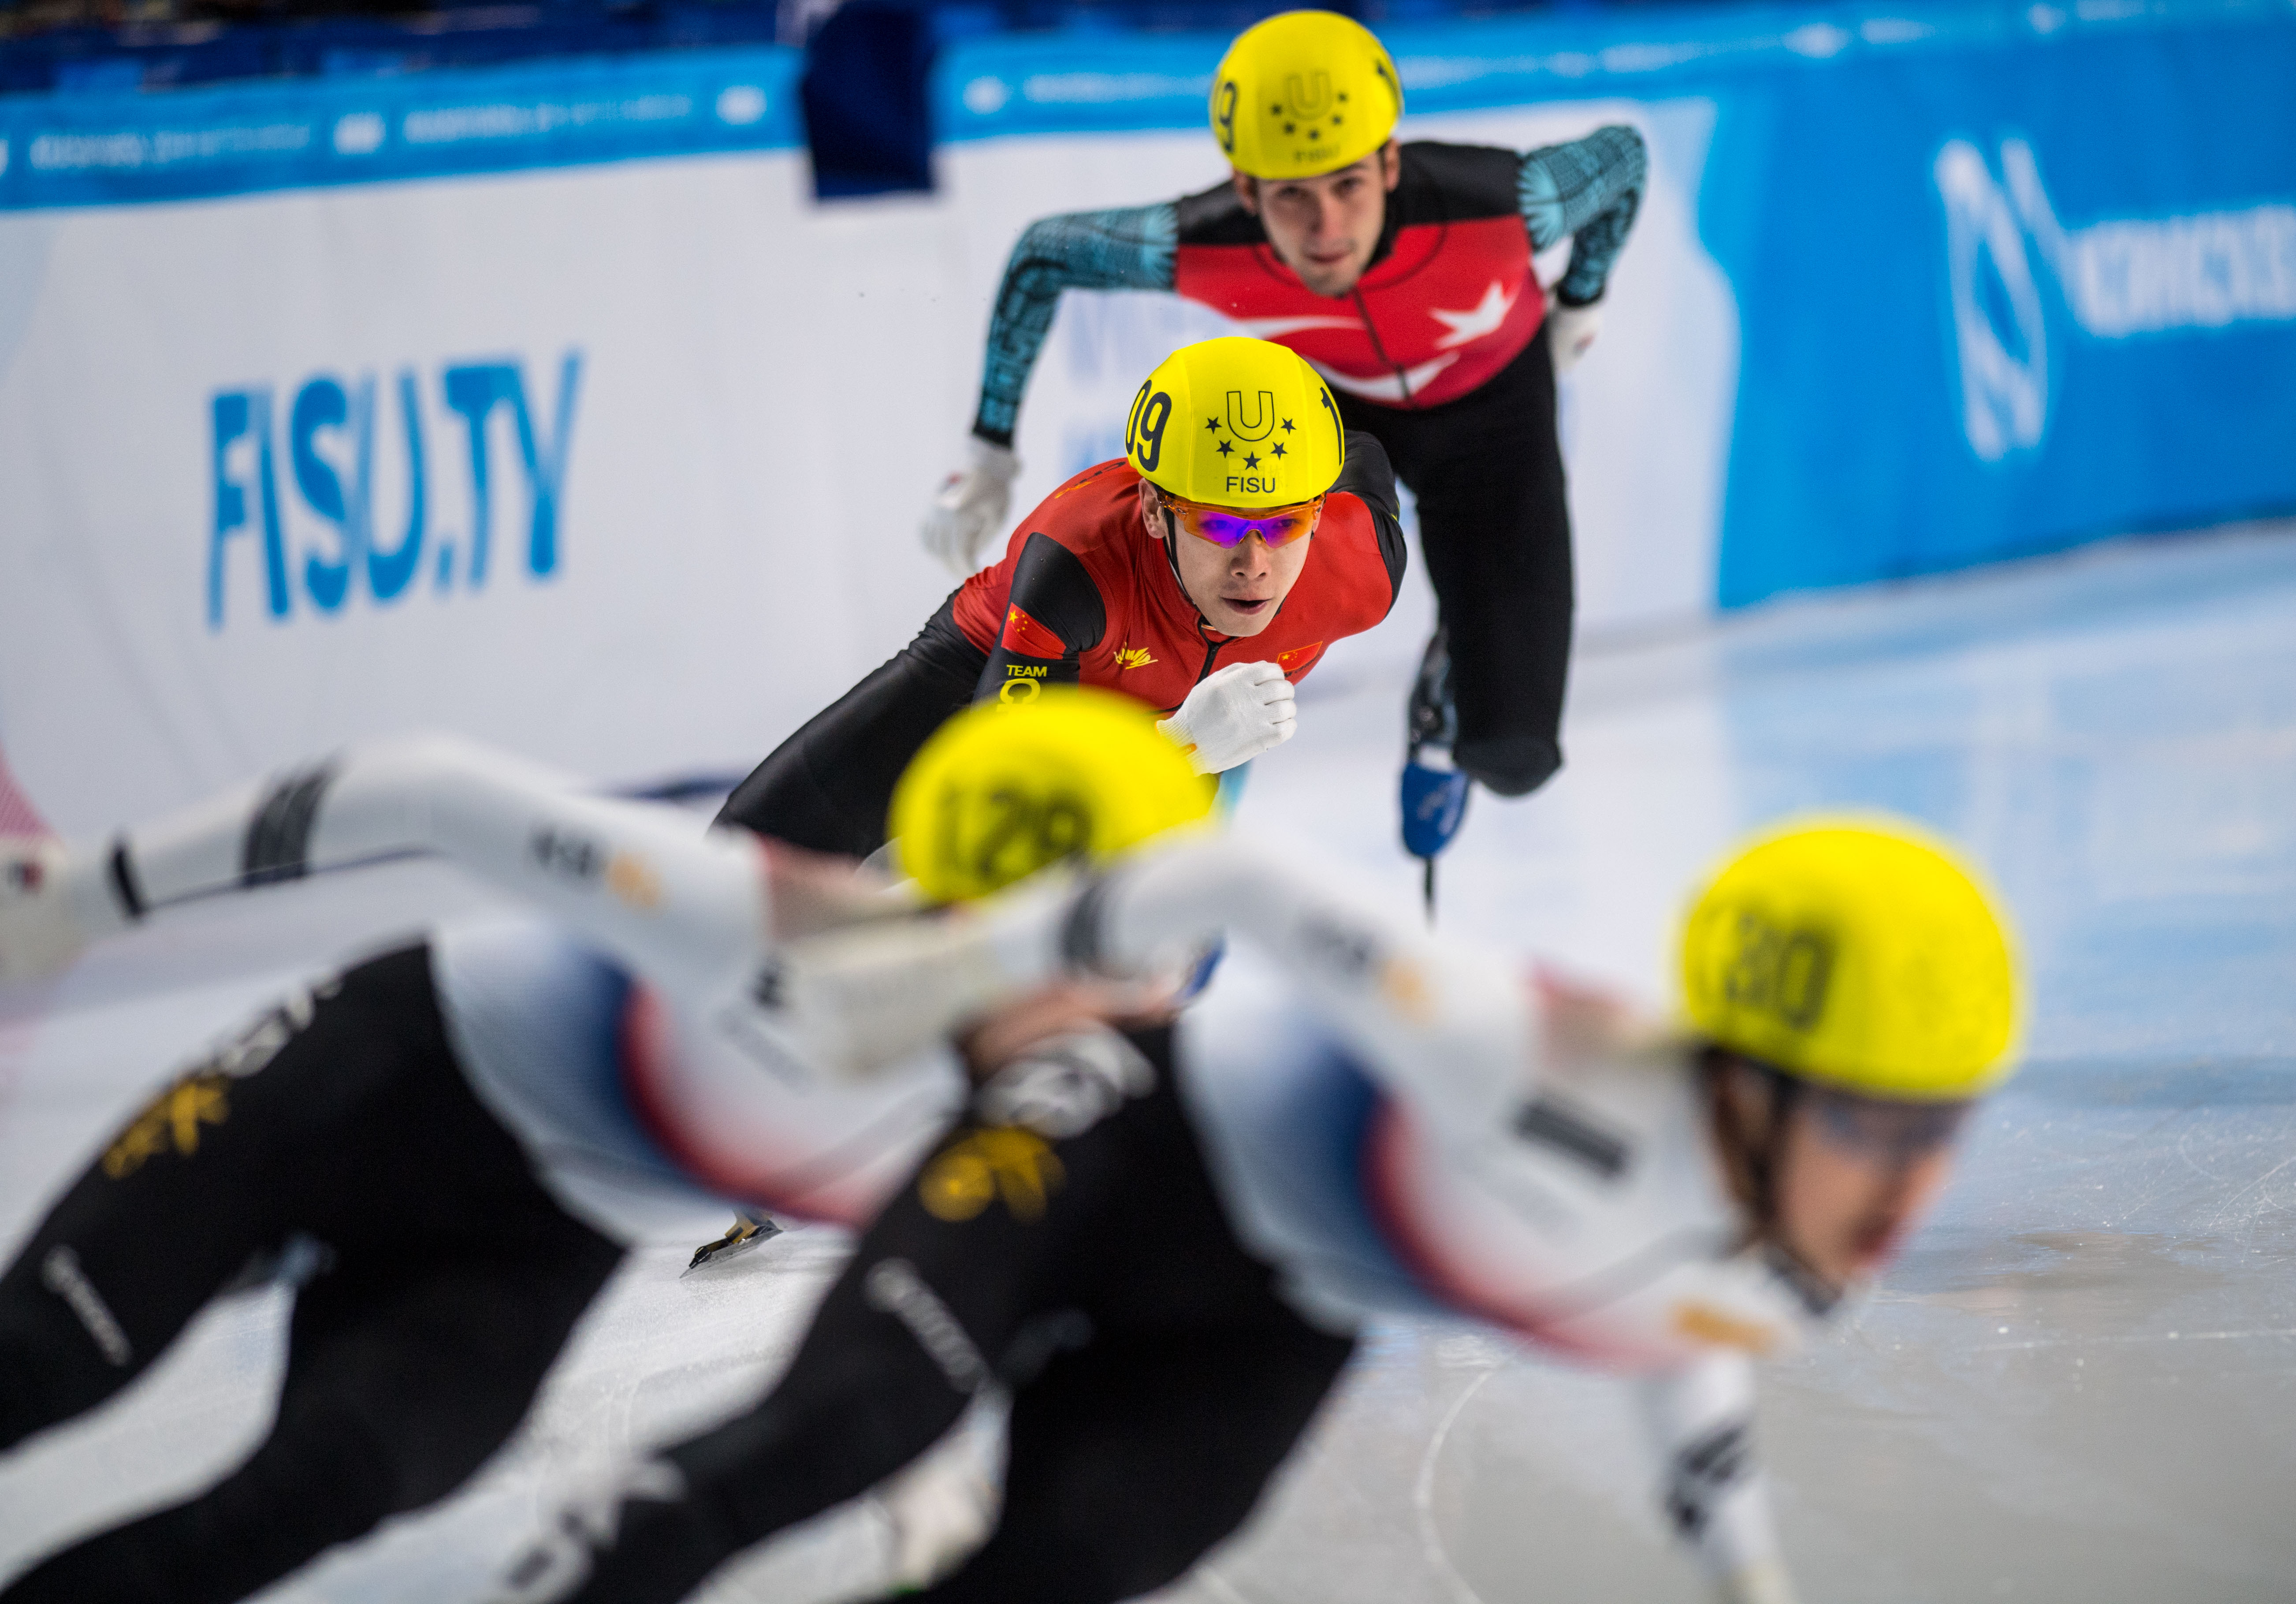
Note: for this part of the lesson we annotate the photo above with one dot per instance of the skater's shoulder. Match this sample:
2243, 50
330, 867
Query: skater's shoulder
1091, 515
1218, 215
1441, 181
1358, 562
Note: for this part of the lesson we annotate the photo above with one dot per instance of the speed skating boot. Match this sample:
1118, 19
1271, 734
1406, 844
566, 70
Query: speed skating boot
1434, 791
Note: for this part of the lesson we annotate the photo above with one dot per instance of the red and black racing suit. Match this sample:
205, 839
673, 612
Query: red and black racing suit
1082, 596
1434, 351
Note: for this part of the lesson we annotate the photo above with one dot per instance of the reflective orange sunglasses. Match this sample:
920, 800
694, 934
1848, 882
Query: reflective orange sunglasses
1227, 529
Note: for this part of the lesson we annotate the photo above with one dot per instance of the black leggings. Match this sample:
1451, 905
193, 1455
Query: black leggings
1158, 1379
827, 787
448, 1282
1495, 528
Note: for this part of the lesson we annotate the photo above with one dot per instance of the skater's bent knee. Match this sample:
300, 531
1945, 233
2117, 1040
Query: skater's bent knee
1509, 765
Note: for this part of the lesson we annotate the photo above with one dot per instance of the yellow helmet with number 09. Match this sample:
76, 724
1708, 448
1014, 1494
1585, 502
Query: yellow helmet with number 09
1006, 789
1860, 954
1304, 93
1236, 423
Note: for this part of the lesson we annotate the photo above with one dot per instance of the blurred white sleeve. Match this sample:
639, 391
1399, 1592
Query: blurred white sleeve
1452, 1026
683, 907
1700, 1420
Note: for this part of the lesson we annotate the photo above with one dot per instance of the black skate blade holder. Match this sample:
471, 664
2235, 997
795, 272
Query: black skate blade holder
747, 1232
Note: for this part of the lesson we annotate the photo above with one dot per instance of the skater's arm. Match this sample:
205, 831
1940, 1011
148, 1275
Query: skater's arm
1450, 1026
1701, 1421
1130, 247
1053, 615
1445, 1024
1589, 189
644, 881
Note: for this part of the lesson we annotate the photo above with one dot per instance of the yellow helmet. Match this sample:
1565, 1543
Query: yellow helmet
1003, 789
1304, 93
1859, 954
1236, 423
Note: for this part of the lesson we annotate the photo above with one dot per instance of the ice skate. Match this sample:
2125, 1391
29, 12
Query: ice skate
1433, 791
747, 1231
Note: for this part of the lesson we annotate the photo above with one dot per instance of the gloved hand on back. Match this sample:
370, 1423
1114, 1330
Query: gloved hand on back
1759, 1582
1570, 331
970, 509
41, 930
1233, 715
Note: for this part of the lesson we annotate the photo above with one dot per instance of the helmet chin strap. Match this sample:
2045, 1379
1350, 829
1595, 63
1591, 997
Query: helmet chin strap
1755, 1155
1172, 556
1758, 1159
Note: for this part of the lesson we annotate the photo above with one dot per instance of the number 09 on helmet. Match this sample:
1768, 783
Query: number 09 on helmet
1236, 423
1001, 792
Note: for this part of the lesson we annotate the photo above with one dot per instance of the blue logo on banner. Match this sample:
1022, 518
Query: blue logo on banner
2121, 279
329, 448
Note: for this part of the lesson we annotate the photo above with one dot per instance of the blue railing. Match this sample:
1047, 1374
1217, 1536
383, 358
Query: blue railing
97, 149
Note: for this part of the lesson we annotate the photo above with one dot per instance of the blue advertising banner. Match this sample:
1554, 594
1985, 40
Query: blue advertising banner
105, 149
2045, 297
2006, 278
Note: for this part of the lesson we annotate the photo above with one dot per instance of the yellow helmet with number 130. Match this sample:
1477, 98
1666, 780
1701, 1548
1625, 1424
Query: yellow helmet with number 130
1859, 954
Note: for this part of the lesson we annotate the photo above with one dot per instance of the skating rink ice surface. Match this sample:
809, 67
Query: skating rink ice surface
2079, 1384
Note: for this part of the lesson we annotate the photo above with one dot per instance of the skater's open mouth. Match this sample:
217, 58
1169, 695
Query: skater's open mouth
1876, 1244
1248, 604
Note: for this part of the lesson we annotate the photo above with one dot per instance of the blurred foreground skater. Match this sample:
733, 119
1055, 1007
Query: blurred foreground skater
1360, 1120
448, 1148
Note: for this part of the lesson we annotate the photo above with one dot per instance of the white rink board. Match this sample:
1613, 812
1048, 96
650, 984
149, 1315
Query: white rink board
736, 539
764, 393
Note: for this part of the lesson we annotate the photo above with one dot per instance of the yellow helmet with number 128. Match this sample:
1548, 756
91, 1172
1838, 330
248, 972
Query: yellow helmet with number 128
1859, 954
1002, 790
1304, 93
1236, 423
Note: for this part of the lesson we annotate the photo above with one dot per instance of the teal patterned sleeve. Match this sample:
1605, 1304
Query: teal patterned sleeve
1131, 247
1589, 189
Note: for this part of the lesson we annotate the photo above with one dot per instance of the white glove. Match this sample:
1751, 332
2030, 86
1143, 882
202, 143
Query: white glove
1570, 331
45, 898
586, 1525
1760, 1582
971, 508
941, 1507
1233, 716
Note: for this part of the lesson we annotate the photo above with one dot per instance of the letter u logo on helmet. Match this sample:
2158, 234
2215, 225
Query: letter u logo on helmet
1257, 424
1304, 93
1236, 423
1859, 952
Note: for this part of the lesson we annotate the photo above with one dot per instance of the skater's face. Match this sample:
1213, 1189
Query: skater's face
1856, 1176
1852, 1176
1238, 588
1325, 227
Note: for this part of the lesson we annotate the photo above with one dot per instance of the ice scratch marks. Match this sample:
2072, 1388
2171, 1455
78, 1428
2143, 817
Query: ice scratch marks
2224, 1209
1422, 1497
2096, 1339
